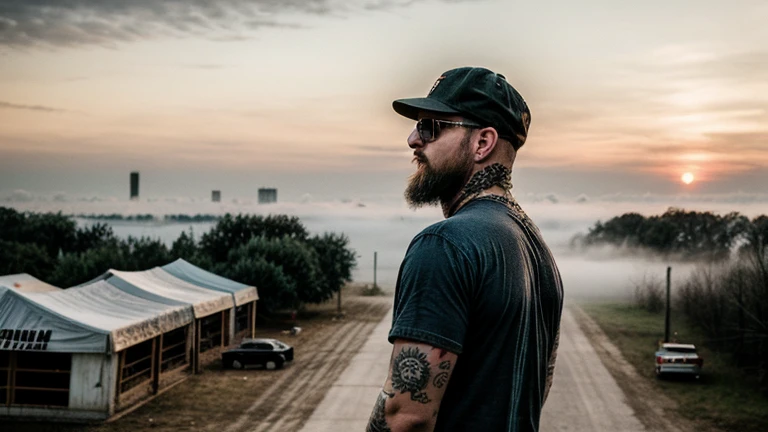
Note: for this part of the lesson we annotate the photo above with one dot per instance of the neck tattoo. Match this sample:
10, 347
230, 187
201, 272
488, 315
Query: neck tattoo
492, 175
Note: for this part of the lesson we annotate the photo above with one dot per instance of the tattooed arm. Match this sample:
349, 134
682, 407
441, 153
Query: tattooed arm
410, 399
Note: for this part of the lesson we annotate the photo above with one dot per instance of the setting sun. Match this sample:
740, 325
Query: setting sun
687, 178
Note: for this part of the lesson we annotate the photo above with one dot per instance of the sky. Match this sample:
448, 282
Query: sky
296, 94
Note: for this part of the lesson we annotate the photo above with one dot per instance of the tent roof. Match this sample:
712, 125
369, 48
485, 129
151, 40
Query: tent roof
27, 325
160, 286
27, 283
195, 275
129, 319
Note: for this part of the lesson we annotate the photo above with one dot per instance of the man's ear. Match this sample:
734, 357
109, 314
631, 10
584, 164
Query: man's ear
485, 143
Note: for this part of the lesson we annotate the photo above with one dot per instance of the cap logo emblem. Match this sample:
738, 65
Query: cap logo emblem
434, 86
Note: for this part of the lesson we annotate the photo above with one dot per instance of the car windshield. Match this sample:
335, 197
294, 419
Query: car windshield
280, 345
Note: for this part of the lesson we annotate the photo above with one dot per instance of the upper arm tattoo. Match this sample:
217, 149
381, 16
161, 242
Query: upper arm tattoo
442, 377
410, 373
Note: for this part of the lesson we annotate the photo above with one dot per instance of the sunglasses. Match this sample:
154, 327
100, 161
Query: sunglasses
429, 129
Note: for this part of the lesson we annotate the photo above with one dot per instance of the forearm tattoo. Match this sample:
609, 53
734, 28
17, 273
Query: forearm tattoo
410, 373
378, 420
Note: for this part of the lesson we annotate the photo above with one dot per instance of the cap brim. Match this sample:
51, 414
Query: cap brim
410, 108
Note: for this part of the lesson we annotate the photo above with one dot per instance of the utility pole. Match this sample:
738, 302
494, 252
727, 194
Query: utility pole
375, 254
666, 319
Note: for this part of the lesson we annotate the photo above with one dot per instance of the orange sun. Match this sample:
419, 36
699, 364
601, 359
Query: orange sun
687, 178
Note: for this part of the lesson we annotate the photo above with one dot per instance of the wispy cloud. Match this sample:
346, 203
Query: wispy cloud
41, 108
63, 23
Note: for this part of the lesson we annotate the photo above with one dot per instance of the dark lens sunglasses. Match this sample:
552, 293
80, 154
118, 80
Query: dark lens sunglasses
429, 128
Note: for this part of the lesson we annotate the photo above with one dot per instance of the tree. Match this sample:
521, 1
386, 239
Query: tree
276, 290
232, 232
146, 253
298, 261
77, 268
184, 247
24, 258
336, 260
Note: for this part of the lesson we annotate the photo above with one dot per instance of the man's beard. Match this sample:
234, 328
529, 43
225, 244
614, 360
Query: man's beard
429, 186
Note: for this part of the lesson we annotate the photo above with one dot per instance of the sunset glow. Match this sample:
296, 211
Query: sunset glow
205, 96
687, 178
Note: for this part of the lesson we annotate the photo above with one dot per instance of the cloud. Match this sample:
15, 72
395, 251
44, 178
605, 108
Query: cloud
8, 105
66, 23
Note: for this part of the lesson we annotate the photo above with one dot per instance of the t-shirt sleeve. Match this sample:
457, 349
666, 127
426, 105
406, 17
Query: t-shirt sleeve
432, 303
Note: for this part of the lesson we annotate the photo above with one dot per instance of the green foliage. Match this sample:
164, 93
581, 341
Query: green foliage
276, 289
94, 236
23, 258
298, 261
273, 253
650, 294
184, 247
52, 232
336, 259
234, 231
684, 234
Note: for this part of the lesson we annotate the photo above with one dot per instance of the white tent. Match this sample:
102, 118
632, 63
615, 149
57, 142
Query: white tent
157, 285
26, 283
241, 293
26, 324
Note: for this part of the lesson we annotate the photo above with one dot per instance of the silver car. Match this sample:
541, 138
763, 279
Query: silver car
674, 358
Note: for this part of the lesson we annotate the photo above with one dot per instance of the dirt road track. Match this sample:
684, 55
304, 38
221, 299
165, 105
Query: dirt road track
300, 387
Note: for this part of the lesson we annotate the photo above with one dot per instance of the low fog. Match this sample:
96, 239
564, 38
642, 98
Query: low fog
388, 227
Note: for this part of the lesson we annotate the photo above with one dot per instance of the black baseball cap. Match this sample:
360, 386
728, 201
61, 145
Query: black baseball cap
477, 94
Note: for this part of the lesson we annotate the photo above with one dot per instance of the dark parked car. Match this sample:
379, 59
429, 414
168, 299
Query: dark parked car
270, 353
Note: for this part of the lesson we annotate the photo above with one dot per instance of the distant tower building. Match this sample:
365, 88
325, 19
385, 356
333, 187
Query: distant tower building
267, 195
135, 185
216, 196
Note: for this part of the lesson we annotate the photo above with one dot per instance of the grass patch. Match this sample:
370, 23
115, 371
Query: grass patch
723, 396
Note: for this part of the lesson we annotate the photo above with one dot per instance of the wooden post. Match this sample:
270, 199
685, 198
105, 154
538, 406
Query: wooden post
11, 379
338, 303
196, 366
157, 353
253, 319
375, 256
223, 333
666, 319
120, 364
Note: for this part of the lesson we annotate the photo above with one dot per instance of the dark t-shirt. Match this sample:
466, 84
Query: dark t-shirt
482, 284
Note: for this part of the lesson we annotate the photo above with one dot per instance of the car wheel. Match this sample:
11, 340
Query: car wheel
280, 362
236, 364
271, 365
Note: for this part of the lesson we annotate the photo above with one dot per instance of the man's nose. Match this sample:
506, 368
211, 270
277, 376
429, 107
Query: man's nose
414, 140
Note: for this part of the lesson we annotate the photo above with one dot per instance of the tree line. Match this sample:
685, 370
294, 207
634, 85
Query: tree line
681, 234
274, 253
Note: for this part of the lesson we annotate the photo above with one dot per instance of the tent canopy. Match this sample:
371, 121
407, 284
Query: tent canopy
157, 285
27, 283
129, 319
195, 275
28, 325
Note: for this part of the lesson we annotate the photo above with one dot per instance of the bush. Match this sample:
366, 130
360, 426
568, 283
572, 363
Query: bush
650, 294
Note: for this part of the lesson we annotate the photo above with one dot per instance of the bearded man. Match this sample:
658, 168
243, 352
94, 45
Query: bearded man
479, 297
